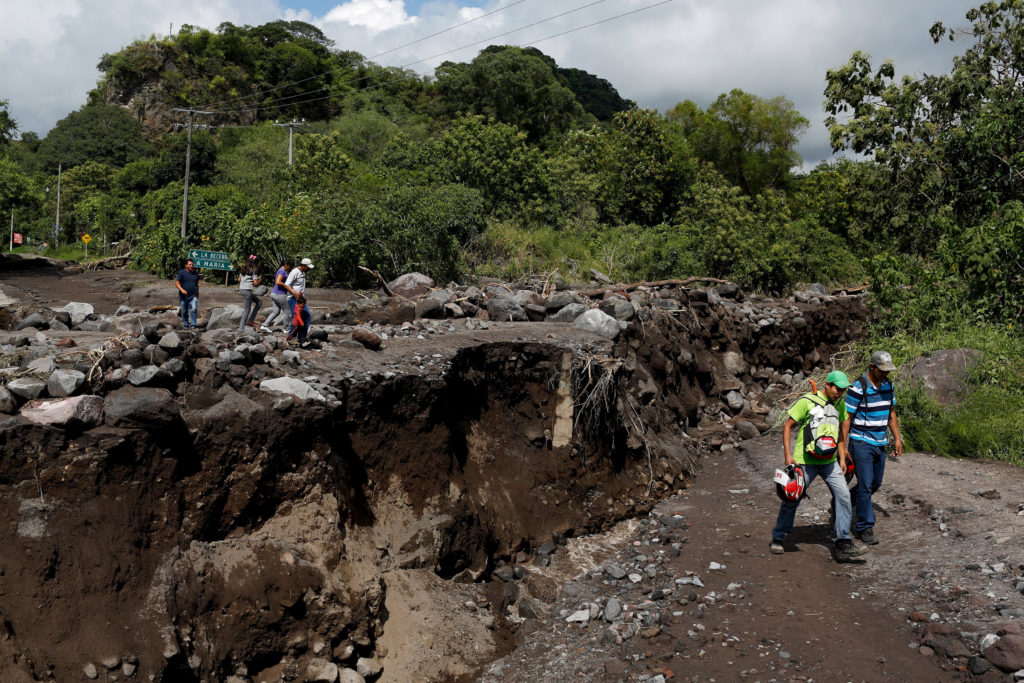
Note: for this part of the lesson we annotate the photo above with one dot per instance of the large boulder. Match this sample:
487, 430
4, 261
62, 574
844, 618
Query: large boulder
411, 285
1007, 653
942, 374
79, 312
146, 407
505, 308
65, 383
224, 318
27, 388
291, 387
75, 412
599, 323
568, 313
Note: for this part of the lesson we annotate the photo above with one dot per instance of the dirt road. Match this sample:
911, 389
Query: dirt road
926, 591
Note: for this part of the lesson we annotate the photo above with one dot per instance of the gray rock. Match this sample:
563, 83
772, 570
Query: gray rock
78, 411
174, 367
528, 296
58, 326
505, 308
453, 311
321, 671
429, 307
442, 296
292, 387
171, 342
90, 671
618, 307
101, 325
35, 320
568, 314
734, 363
132, 406
559, 300
747, 430
226, 318
1007, 653
8, 404
350, 676
943, 374
735, 401
79, 312
123, 310
147, 375
615, 571
599, 276
368, 667
612, 609
65, 383
27, 388
411, 285
599, 323
43, 366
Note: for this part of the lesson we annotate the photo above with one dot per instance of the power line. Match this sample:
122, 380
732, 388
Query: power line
367, 59
273, 104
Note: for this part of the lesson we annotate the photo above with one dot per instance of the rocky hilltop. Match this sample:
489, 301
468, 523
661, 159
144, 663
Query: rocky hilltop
223, 505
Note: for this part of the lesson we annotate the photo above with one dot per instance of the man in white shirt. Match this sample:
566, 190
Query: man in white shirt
296, 285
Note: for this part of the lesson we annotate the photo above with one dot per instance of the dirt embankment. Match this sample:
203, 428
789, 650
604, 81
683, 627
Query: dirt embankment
204, 525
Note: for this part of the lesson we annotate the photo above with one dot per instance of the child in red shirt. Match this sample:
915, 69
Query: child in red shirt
300, 320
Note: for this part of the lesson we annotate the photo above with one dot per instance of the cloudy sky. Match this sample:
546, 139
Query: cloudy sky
682, 49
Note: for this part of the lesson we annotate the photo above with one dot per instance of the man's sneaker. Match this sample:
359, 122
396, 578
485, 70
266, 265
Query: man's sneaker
265, 329
776, 548
846, 550
868, 536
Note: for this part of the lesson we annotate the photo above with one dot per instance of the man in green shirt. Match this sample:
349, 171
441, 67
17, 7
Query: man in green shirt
817, 416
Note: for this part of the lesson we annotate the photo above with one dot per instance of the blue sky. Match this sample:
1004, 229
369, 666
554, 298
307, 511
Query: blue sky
685, 49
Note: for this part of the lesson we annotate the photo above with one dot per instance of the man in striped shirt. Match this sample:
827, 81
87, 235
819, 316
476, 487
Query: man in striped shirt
870, 404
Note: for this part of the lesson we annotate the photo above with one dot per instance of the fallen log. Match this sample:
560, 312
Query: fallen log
655, 283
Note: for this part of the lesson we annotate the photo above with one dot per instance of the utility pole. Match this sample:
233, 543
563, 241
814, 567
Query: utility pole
56, 222
291, 126
12, 229
188, 163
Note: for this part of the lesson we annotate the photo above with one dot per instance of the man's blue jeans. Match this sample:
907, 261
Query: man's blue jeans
836, 482
869, 464
189, 308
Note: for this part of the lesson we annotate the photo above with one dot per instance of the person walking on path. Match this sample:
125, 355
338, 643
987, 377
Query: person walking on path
818, 453
279, 295
248, 279
295, 285
871, 405
187, 282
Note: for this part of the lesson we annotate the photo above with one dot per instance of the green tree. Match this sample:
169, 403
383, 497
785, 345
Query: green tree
511, 86
949, 140
320, 162
8, 126
493, 158
750, 140
98, 133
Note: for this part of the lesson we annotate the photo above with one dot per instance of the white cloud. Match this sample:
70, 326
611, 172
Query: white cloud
374, 15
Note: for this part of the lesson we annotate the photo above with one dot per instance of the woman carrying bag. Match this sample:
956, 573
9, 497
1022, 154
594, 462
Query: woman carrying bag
251, 290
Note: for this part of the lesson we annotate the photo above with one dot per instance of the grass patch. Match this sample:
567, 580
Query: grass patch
985, 423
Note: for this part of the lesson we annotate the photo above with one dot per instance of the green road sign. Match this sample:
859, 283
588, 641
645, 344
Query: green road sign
212, 260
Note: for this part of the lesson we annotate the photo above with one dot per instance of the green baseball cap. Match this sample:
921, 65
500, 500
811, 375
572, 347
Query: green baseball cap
839, 378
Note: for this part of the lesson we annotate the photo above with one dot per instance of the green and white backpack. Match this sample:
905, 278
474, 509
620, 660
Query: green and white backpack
821, 429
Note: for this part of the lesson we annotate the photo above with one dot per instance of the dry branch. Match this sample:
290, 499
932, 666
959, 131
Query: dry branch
656, 283
380, 279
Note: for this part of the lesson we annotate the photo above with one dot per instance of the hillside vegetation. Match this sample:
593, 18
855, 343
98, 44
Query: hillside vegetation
512, 165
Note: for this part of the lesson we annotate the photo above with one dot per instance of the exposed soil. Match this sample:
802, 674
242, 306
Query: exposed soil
400, 528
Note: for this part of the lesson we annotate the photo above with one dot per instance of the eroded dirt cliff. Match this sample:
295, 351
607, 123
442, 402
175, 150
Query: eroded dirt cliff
202, 527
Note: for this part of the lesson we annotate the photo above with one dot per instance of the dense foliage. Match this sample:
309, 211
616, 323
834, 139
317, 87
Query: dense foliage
512, 165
